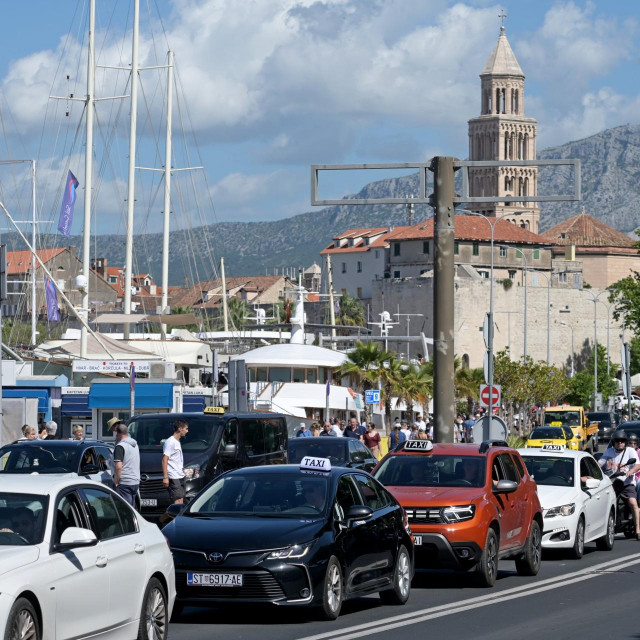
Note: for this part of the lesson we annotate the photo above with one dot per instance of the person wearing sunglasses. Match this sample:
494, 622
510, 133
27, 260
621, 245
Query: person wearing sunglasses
620, 463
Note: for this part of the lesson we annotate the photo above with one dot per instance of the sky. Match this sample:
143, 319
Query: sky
265, 88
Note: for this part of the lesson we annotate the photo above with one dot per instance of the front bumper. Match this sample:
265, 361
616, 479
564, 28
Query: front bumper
434, 551
559, 532
154, 496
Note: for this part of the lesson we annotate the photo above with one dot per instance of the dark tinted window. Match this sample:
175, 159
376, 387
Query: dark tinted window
105, 458
88, 458
252, 436
127, 517
431, 471
518, 462
371, 495
22, 518
41, 459
509, 468
548, 433
346, 496
333, 448
274, 434
550, 470
103, 513
151, 433
68, 514
594, 469
230, 433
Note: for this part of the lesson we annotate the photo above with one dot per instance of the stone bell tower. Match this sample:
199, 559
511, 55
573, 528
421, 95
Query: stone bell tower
503, 132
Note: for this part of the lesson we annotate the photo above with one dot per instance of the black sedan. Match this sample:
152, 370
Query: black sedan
290, 536
341, 452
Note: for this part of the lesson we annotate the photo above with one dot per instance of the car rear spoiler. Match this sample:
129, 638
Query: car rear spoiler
487, 444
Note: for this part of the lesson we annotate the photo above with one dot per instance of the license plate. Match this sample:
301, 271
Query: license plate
214, 579
417, 541
148, 502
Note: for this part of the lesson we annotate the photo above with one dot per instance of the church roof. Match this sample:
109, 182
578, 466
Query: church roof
502, 61
584, 230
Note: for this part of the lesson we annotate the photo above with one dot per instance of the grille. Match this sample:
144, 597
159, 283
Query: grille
152, 485
423, 515
256, 586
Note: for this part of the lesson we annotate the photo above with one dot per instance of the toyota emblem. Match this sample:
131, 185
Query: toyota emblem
144, 477
216, 557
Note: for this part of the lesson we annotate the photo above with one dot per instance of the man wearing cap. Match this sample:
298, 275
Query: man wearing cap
126, 458
303, 432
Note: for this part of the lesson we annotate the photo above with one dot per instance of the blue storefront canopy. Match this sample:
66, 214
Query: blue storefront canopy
41, 394
76, 405
152, 395
193, 404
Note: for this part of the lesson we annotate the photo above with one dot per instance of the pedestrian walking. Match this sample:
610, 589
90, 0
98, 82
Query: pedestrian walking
173, 465
28, 433
405, 430
303, 432
327, 430
126, 458
48, 431
468, 428
396, 437
78, 431
372, 440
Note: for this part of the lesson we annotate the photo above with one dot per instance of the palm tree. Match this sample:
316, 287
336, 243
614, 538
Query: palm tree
467, 383
238, 311
415, 385
391, 377
351, 312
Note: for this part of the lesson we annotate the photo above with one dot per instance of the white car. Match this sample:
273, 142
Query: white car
77, 561
574, 512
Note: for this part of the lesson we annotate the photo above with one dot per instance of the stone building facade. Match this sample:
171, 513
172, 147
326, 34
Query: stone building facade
504, 132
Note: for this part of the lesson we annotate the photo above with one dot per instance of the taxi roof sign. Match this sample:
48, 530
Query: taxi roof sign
216, 410
309, 463
558, 448
418, 445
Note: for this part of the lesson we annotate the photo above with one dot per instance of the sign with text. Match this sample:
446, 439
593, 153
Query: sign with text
372, 396
110, 366
484, 395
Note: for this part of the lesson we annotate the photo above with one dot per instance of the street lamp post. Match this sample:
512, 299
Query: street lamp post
595, 345
564, 324
608, 308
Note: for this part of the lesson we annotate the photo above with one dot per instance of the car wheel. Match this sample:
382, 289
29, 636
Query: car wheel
487, 568
153, 617
606, 542
401, 590
577, 551
529, 563
332, 590
22, 622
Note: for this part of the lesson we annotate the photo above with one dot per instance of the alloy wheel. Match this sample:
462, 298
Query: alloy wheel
611, 530
24, 626
580, 537
491, 558
156, 615
404, 574
536, 546
334, 588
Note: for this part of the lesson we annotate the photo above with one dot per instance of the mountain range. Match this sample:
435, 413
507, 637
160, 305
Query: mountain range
610, 192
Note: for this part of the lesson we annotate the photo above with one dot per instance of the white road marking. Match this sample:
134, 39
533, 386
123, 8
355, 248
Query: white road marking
386, 624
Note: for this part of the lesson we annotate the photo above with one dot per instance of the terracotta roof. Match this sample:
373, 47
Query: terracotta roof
114, 271
472, 228
20, 261
361, 246
584, 230
502, 61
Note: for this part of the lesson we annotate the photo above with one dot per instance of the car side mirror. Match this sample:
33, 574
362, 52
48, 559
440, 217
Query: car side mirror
74, 537
89, 469
174, 510
592, 483
229, 451
505, 486
358, 514
358, 457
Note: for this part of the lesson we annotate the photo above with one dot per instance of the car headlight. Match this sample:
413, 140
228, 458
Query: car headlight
295, 551
191, 471
458, 514
564, 510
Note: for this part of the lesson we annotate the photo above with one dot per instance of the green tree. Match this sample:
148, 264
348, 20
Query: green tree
634, 352
625, 294
581, 385
238, 311
351, 313
415, 385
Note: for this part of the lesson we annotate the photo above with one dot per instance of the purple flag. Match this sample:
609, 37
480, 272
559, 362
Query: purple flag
53, 313
68, 203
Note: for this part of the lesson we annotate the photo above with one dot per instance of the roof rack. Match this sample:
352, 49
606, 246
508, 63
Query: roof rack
487, 444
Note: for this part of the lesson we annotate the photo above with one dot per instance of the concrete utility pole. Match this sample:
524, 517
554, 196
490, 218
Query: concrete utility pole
443, 297
332, 309
225, 310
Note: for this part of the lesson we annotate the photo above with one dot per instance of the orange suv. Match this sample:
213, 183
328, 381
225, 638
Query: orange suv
468, 505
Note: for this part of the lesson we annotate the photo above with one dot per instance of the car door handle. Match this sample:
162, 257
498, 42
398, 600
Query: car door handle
138, 548
101, 561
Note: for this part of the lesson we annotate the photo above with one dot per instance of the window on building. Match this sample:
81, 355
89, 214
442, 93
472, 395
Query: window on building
483, 274
476, 248
377, 254
512, 274
344, 267
536, 254
425, 247
396, 248
456, 247
396, 274
576, 280
359, 292
562, 277
503, 252
359, 267
534, 279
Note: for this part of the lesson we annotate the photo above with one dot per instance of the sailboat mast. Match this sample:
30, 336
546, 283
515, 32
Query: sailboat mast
34, 311
88, 174
167, 190
133, 121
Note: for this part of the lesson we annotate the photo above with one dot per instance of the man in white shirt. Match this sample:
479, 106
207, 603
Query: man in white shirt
404, 428
420, 423
616, 459
173, 463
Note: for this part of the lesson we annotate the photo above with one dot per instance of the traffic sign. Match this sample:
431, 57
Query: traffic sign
488, 366
372, 396
490, 428
484, 395
487, 330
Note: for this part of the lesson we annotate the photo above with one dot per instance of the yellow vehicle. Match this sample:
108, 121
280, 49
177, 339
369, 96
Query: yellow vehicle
562, 436
585, 434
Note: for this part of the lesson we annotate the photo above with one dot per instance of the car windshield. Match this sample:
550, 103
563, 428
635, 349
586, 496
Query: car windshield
432, 471
332, 448
151, 433
551, 471
263, 494
601, 418
22, 518
549, 433
39, 459
561, 418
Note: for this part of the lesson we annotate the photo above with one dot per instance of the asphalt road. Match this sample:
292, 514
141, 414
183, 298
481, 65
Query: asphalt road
596, 597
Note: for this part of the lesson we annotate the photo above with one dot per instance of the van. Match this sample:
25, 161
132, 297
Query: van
215, 443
